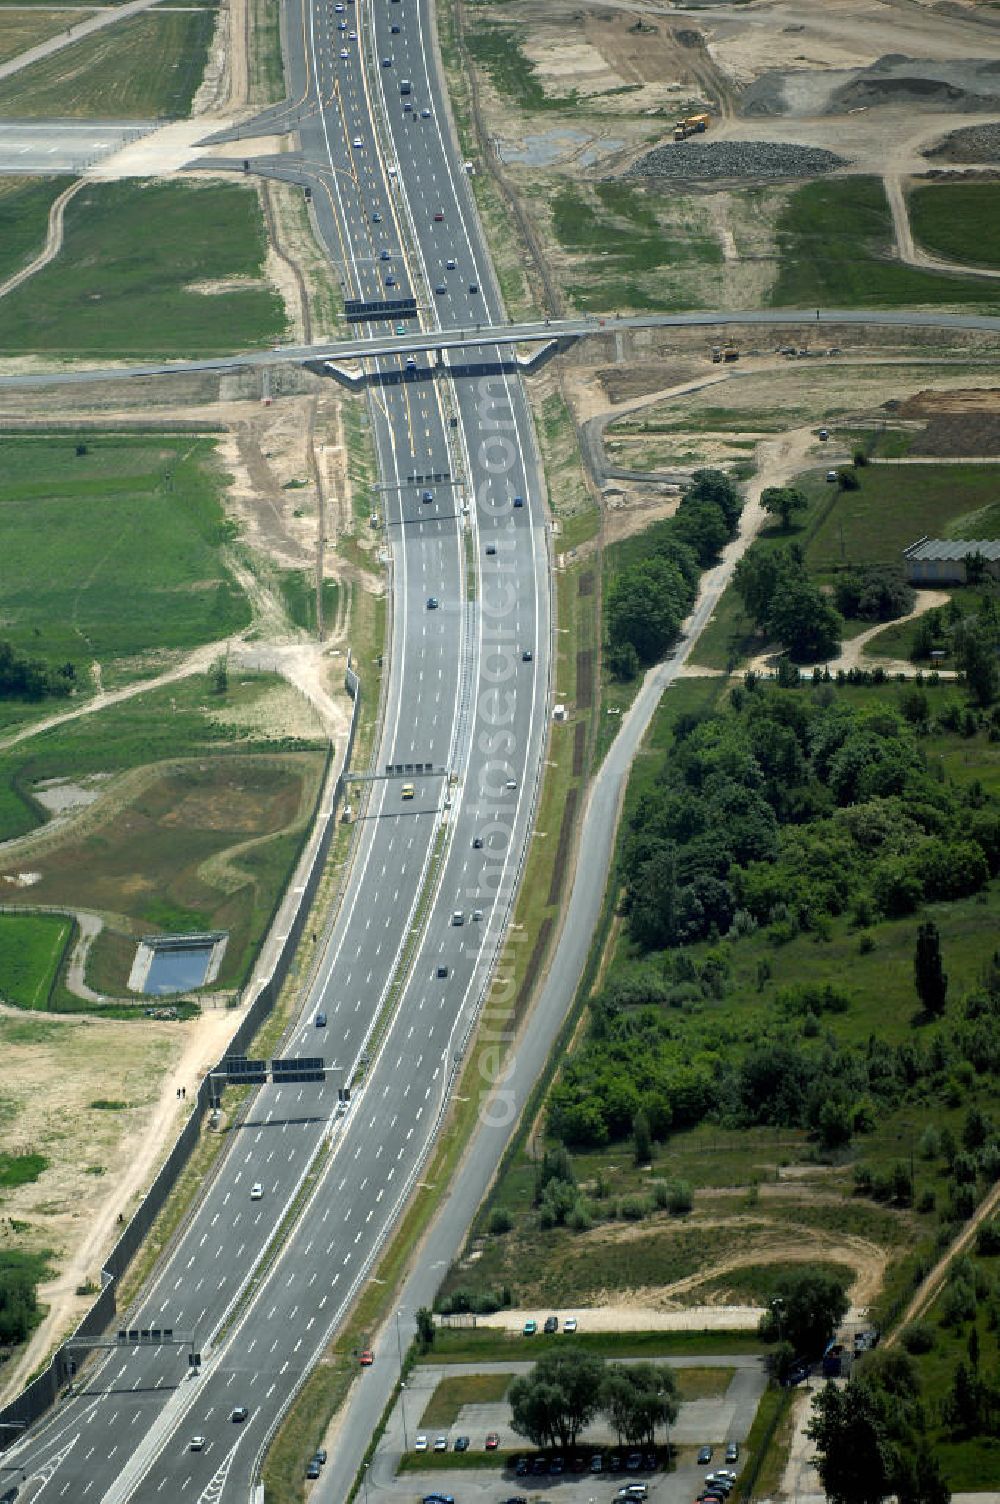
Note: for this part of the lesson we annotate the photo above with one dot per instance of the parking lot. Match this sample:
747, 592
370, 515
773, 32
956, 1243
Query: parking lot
701, 1422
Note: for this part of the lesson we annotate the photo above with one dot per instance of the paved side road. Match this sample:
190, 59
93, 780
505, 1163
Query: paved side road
74, 33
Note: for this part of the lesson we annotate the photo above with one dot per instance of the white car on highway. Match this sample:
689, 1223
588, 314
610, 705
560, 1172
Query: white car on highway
357, 143
256, 1191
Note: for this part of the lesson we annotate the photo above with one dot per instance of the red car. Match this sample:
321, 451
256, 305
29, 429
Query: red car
367, 1358
492, 1441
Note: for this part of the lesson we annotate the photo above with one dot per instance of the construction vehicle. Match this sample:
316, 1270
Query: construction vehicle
691, 125
716, 354
731, 352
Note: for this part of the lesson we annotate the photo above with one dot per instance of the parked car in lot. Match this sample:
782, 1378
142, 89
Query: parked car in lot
569, 1325
551, 1324
461, 1443
530, 1328
420, 1445
492, 1441
440, 1443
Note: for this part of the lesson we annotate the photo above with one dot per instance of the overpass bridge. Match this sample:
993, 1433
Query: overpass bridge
479, 343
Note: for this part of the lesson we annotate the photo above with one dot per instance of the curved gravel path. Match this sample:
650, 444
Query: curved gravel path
53, 241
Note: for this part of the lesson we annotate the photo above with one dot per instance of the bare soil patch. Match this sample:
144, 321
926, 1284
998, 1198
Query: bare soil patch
959, 424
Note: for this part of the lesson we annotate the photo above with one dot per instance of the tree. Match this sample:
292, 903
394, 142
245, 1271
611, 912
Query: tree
853, 1455
716, 487
425, 1327
928, 972
847, 480
639, 1398
806, 1309
643, 1139
646, 605
801, 618
783, 501
623, 661
218, 677
975, 654
756, 578
552, 1404
975, 568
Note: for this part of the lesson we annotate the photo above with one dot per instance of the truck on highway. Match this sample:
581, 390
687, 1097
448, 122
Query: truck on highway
691, 125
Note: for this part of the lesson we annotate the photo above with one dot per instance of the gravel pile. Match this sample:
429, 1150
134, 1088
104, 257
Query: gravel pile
708, 160
973, 143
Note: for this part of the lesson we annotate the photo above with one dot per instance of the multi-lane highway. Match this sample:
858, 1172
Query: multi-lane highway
467, 693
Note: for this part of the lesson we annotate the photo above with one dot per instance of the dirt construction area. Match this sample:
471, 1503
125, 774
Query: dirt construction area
792, 91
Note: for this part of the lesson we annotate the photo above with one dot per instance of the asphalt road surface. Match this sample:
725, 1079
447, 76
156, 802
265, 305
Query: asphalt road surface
40, 147
467, 694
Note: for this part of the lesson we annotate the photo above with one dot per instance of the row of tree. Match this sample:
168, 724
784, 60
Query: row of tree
656, 586
566, 1391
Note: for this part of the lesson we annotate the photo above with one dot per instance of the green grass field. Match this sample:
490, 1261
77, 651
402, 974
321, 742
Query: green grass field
895, 506
136, 276
497, 52
146, 67
630, 249
484, 1344
21, 1169
26, 28
958, 221
182, 720
835, 240
24, 217
32, 947
115, 552
470, 1389
218, 832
